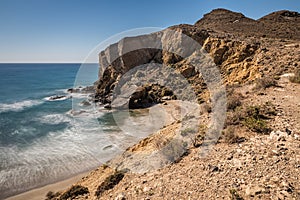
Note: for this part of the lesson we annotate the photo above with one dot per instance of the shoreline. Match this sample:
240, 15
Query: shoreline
171, 115
40, 192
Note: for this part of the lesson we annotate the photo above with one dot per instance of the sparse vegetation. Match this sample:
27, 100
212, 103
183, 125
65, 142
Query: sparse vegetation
74, 191
296, 77
110, 182
253, 117
52, 196
256, 125
234, 195
175, 150
187, 131
234, 101
265, 82
230, 135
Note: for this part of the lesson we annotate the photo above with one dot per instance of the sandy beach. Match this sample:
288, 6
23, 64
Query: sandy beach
40, 193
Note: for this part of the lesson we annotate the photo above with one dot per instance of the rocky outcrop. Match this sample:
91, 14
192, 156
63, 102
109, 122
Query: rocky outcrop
281, 24
237, 45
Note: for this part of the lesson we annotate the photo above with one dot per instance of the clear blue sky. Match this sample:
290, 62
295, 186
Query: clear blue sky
67, 30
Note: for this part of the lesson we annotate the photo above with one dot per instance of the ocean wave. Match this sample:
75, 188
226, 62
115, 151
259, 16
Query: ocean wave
18, 106
61, 154
79, 95
54, 119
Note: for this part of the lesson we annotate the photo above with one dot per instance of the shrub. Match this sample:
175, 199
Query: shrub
296, 77
235, 117
230, 136
74, 191
253, 117
110, 182
256, 125
234, 101
234, 195
52, 196
265, 82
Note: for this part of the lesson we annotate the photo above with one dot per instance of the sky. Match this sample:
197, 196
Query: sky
60, 31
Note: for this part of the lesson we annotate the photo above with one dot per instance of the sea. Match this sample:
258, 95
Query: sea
47, 133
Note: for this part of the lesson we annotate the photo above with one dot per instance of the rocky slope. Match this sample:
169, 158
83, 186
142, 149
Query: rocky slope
257, 156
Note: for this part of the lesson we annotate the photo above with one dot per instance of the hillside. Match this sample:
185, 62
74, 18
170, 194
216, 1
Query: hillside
257, 154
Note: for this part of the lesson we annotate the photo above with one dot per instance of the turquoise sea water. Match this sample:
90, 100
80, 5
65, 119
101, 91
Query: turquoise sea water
41, 141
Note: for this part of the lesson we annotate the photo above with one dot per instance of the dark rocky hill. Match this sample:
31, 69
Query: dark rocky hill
281, 24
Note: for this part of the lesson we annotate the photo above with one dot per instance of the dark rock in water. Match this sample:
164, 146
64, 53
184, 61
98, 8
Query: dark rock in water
107, 147
80, 89
88, 89
107, 106
73, 90
86, 103
58, 97
166, 98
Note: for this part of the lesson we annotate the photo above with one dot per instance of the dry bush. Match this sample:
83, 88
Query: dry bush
265, 82
52, 196
296, 77
234, 195
73, 192
253, 117
230, 135
110, 182
234, 101
235, 117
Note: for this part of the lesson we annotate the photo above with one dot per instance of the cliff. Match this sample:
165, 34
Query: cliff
257, 153
238, 45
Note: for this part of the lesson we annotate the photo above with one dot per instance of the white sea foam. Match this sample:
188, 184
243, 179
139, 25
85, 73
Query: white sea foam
79, 95
57, 98
54, 119
59, 155
18, 106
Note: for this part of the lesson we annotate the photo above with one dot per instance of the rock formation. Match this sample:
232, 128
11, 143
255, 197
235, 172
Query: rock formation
237, 45
257, 156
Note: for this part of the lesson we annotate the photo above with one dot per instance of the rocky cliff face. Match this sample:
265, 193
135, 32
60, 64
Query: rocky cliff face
257, 155
238, 46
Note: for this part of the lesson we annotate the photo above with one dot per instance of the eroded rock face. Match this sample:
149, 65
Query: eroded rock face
164, 48
241, 47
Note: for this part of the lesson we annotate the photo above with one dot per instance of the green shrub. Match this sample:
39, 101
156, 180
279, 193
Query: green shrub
253, 117
256, 125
